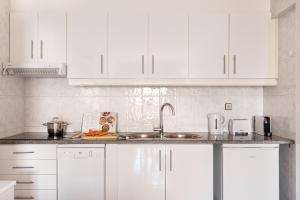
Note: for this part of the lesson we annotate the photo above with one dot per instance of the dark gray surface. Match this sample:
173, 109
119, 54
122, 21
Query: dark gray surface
42, 138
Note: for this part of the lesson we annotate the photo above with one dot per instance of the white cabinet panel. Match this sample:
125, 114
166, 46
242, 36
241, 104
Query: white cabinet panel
52, 38
250, 45
28, 167
23, 38
81, 173
32, 182
168, 40
27, 151
87, 45
127, 45
250, 173
189, 172
135, 172
36, 194
208, 45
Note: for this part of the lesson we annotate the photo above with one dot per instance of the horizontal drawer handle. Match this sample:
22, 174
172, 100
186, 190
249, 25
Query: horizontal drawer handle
24, 197
23, 152
29, 167
25, 182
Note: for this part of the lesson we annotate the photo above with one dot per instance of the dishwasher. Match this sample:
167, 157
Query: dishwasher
81, 172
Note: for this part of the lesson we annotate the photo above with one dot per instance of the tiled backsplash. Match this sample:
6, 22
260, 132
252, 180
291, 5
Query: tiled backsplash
11, 89
137, 107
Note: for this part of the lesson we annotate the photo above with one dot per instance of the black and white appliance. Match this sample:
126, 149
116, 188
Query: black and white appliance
262, 125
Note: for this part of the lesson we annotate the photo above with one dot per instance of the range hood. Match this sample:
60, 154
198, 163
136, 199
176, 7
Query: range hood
37, 70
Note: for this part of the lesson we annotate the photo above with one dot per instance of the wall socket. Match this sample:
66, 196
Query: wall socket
228, 106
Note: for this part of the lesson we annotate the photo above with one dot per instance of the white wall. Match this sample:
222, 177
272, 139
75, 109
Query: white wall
11, 89
138, 107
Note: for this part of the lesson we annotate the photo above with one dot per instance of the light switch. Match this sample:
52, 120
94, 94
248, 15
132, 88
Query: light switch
228, 106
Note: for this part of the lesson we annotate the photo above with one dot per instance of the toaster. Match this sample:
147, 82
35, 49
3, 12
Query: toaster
239, 127
262, 125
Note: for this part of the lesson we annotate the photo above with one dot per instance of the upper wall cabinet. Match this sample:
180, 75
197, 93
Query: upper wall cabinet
23, 38
250, 46
87, 45
168, 45
37, 38
208, 45
127, 53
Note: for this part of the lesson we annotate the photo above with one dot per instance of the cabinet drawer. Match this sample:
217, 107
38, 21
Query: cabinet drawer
35, 194
27, 152
32, 182
28, 167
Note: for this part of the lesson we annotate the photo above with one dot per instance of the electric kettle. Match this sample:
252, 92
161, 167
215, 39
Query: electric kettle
215, 123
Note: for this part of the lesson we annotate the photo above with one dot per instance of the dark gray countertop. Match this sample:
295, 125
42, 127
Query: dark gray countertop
42, 138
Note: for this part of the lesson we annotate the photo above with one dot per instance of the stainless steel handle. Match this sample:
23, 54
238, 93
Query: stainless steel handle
101, 63
224, 64
234, 64
25, 182
31, 43
171, 160
24, 197
153, 64
143, 64
26, 167
42, 49
23, 152
159, 160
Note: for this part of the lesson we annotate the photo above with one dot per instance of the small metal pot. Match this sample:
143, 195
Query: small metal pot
56, 127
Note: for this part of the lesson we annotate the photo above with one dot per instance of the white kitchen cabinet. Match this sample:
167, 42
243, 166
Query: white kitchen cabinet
128, 34
87, 45
208, 45
135, 172
52, 33
147, 172
189, 172
37, 38
251, 172
81, 172
250, 48
168, 46
23, 38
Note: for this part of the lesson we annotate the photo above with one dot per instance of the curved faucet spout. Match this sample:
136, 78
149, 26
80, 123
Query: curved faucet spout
161, 117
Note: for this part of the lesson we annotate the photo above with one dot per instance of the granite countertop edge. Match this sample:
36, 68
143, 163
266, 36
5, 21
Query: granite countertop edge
206, 139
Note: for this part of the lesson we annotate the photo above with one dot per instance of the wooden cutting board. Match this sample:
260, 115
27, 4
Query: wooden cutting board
104, 137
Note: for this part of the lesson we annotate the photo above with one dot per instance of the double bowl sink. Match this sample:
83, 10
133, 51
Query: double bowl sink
166, 136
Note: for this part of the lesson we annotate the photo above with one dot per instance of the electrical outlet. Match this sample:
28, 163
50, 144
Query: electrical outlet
228, 106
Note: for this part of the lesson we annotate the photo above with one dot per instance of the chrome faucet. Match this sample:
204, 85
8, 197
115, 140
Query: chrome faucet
161, 118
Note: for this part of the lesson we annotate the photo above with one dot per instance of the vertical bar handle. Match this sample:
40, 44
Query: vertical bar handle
143, 64
234, 64
159, 160
31, 46
101, 63
224, 64
153, 65
171, 160
42, 49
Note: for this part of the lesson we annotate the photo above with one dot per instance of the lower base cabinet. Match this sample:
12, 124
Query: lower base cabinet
147, 172
250, 172
36, 194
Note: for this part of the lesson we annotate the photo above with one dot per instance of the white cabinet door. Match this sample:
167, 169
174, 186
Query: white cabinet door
23, 38
251, 173
87, 34
189, 172
135, 172
127, 45
168, 40
52, 38
208, 45
250, 45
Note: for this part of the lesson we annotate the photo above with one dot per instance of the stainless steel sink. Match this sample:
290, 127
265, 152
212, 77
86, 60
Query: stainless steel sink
142, 136
181, 136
